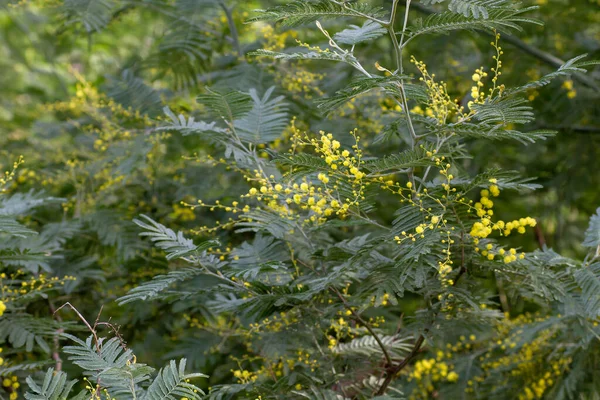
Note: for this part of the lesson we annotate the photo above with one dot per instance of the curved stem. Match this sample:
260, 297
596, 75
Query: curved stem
232, 28
356, 316
398, 47
391, 372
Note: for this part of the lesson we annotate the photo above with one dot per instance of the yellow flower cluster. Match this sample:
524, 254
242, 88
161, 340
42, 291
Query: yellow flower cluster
9, 175
11, 384
434, 220
427, 373
485, 226
477, 90
568, 86
19, 287
304, 358
294, 78
276, 41
342, 330
440, 106
275, 323
476, 93
307, 200
388, 104
96, 391
272, 367
2, 308
384, 300
303, 82
530, 365
244, 376
110, 125
183, 214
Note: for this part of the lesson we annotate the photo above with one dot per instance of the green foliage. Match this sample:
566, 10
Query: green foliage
172, 382
173, 243
499, 19
272, 191
265, 121
303, 12
359, 87
93, 15
54, 387
592, 235
357, 34
114, 366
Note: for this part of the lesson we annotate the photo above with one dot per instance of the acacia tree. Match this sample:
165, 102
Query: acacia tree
362, 251
316, 295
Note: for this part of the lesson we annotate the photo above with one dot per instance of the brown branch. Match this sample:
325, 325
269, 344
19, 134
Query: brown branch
92, 329
539, 235
577, 129
55, 339
502, 294
388, 359
232, 29
67, 304
393, 370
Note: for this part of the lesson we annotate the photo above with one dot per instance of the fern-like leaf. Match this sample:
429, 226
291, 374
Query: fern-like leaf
21, 203
260, 220
54, 387
182, 54
86, 355
25, 330
504, 111
174, 244
357, 34
475, 8
588, 279
499, 19
302, 164
189, 126
172, 384
231, 105
302, 12
92, 14
266, 121
347, 57
8, 368
495, 132
573, 66
368, 346
131, 91
13, 228
159, 284
390, 85
592, 234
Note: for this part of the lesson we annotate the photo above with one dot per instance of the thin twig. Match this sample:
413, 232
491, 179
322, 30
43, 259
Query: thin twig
67, 304
391, 372
56, 343
387, 356
502, 294
232, 28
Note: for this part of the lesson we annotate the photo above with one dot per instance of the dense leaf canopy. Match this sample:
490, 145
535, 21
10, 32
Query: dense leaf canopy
318, 199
